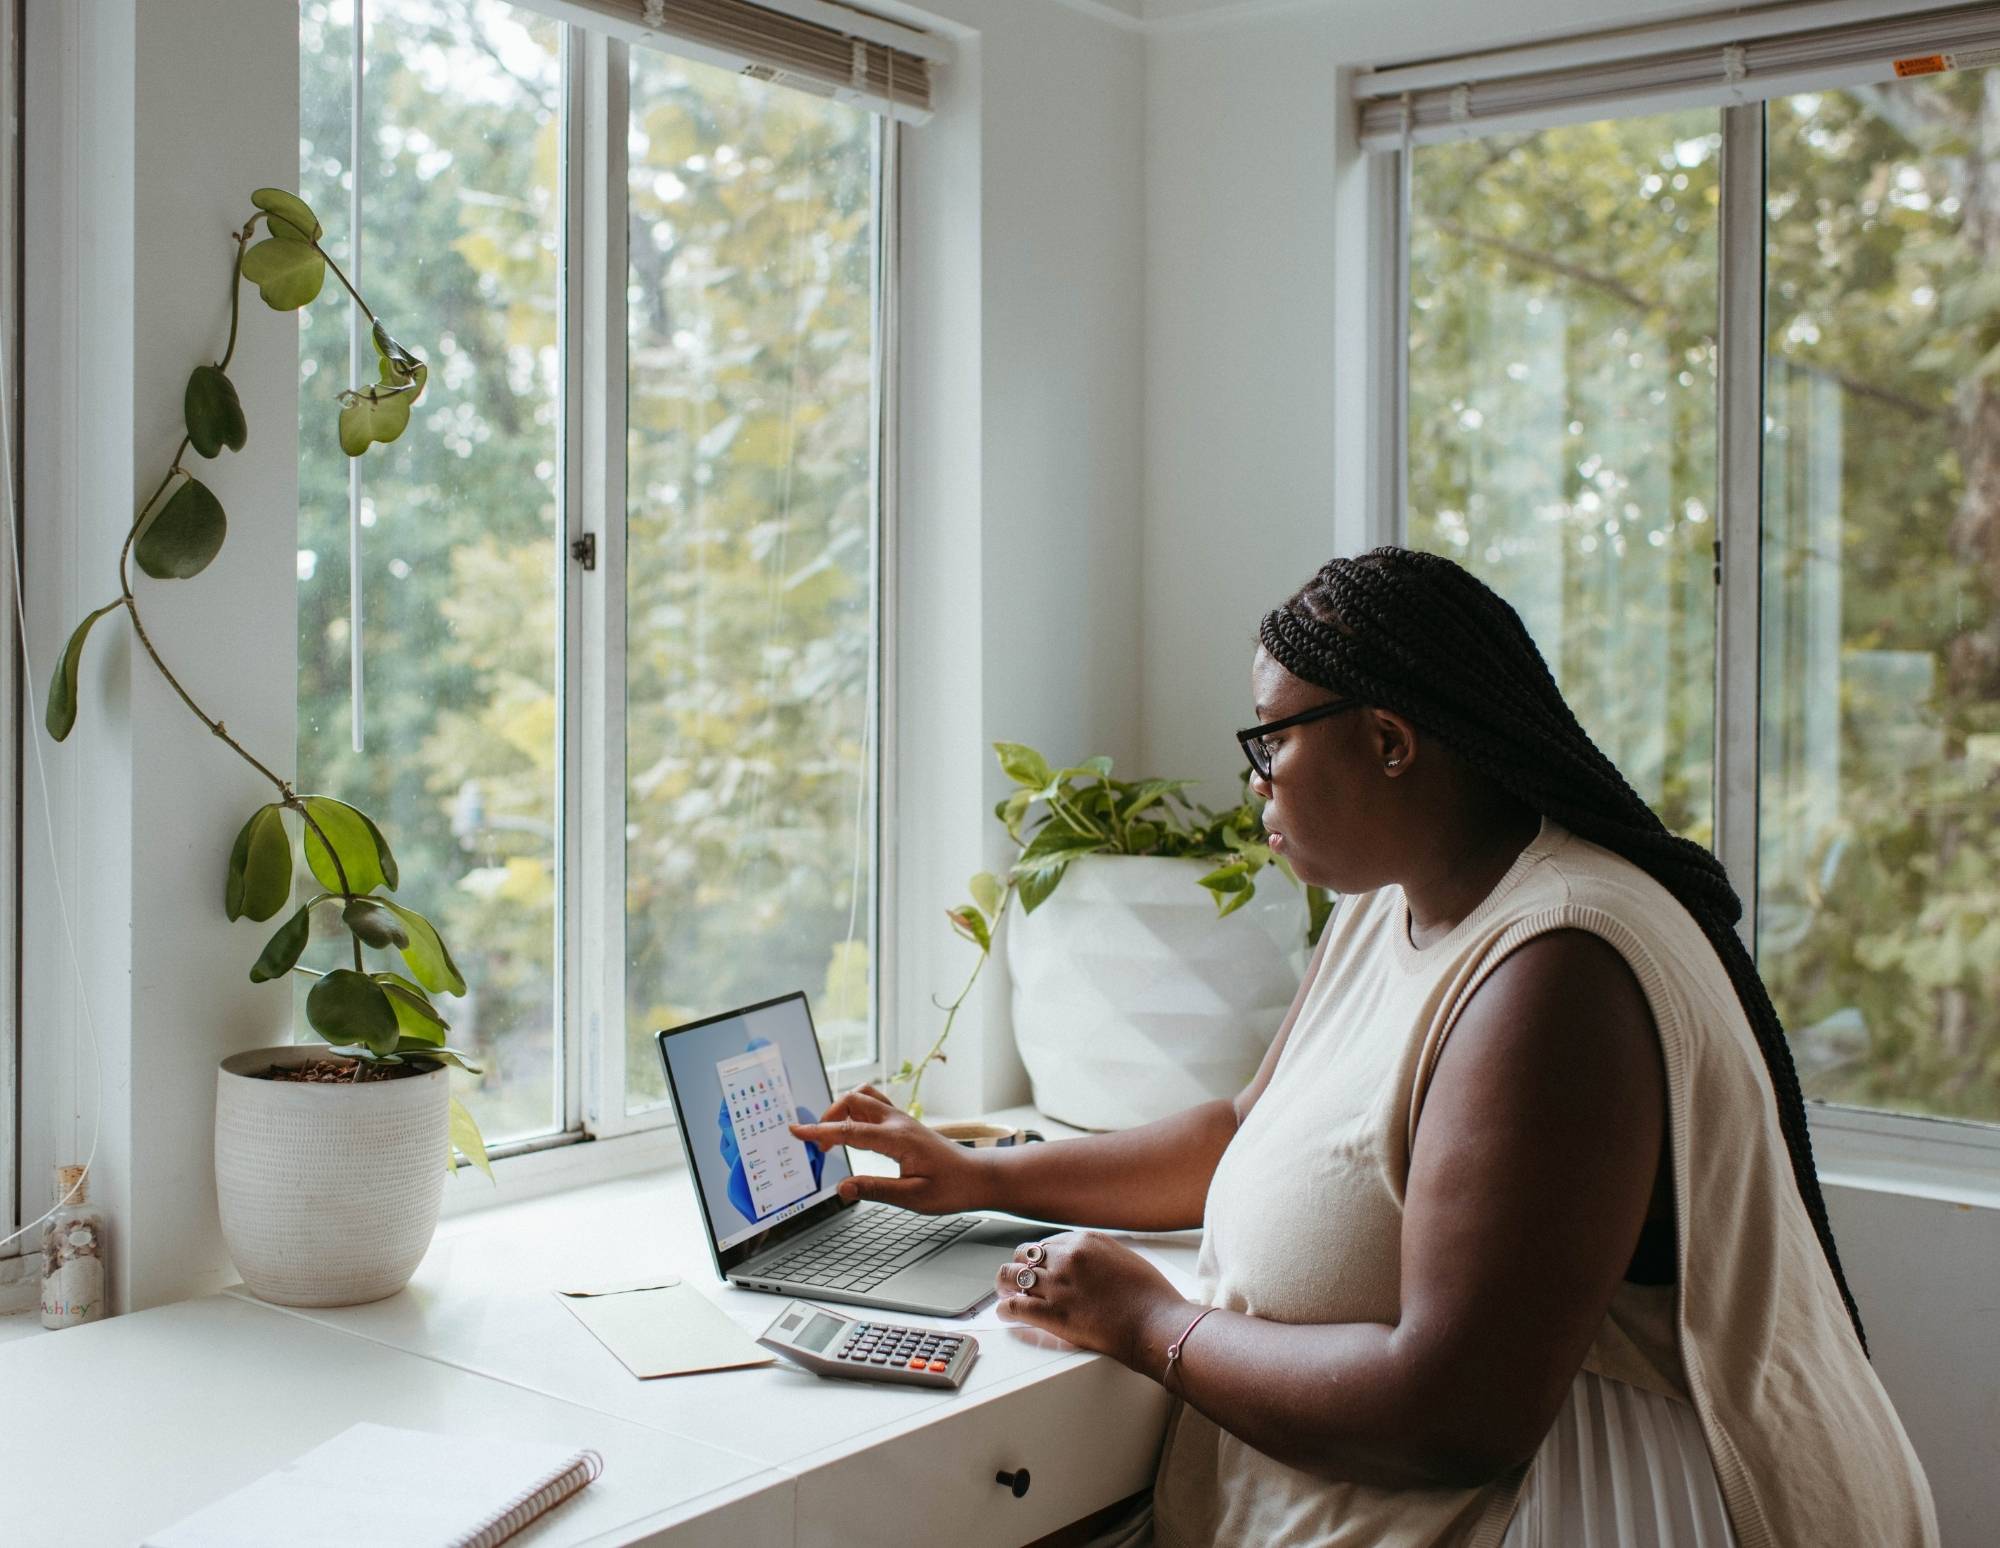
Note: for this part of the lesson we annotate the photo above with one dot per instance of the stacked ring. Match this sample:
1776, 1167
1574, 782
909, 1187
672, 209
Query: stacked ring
1032, 1253
1025, 1278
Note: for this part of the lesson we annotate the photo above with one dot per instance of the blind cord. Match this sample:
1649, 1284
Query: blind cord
15, 549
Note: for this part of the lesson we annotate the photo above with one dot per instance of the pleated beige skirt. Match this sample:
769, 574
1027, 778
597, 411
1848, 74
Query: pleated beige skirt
1621, 1468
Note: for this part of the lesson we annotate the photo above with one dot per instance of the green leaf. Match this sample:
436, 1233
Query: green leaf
465, 1136
417, 1020
414, 377
363, 852
1233, 882
1149, 793
1035, 888
1012, 810
179, 539
428, 958
213, 412
1023, 765
1091, 768
373, 924
986, 893
969, 923
288, 207
288, 273
1233, 875
1055, 845
260, 866
398, 364
282, 952
59, 713
452, 1056
1140, 837
347, 1007
1230, 903
377, 413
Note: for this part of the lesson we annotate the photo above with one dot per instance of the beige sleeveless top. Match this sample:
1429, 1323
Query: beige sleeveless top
1304, 1225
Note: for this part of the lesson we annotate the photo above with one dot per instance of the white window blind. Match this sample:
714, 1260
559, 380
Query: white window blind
1708, 61
810, 45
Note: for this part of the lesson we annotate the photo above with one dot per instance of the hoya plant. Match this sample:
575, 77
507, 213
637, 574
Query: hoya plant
376, 1016
1056, 816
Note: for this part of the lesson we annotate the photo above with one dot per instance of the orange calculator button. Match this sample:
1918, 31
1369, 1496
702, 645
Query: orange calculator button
937, 1365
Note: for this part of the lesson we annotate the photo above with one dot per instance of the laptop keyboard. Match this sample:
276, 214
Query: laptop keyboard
880, 1241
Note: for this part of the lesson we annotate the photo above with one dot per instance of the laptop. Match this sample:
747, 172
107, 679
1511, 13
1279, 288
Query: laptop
770, 1201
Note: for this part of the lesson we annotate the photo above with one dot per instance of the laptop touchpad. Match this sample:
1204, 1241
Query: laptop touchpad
969, 1266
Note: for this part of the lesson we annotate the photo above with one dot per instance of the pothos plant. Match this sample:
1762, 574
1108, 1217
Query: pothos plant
377, 1018
1056, 816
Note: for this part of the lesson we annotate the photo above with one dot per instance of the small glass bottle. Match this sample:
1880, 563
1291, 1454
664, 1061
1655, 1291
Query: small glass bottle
73, 1282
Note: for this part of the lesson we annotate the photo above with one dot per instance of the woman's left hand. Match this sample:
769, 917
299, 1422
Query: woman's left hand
1095, 1293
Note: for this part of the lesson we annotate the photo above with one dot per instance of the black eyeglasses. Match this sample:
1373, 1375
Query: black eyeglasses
1258, 751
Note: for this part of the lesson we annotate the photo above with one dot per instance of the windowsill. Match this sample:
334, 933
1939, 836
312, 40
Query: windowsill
1943, 1160
533, 1188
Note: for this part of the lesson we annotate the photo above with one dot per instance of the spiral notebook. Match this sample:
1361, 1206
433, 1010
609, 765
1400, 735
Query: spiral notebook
392, 1488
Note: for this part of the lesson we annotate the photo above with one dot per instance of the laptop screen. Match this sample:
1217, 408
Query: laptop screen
738, 1080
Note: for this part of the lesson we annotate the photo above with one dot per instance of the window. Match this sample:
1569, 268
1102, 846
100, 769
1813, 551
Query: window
446, 646
750, 559
1565, 366
1878, 879
1562, 417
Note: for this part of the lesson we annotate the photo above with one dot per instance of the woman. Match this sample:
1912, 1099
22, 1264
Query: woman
1515, 1238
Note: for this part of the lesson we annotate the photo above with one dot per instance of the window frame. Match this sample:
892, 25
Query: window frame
1941, 1156
15, 1205
598, 1139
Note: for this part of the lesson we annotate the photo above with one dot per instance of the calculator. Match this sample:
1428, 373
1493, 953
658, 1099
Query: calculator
830, 1344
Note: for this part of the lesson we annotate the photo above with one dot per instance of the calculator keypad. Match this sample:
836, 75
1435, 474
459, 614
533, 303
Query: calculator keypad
912, 1349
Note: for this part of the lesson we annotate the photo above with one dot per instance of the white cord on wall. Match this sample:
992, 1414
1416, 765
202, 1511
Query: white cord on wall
14, 551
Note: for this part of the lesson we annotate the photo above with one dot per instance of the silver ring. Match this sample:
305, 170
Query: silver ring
1025, 1278
1032, 1253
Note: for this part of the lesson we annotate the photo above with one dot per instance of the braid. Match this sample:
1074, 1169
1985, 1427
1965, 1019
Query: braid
1416, 633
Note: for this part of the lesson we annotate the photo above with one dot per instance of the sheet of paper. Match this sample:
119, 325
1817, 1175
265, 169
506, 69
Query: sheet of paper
668, 1330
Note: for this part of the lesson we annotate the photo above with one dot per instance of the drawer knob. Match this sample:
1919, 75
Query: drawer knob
1017, 1481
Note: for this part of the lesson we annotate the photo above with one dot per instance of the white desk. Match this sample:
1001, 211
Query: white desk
114, 1430
208, 1395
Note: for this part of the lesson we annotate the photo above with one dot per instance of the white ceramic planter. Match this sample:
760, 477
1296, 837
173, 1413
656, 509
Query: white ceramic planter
1133, 1001
329, 1193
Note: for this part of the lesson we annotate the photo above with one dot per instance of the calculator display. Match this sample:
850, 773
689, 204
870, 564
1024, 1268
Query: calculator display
818, 1333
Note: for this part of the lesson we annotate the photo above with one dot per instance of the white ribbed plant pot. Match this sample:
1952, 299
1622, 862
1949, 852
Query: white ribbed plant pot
1133, 1001
329, 1193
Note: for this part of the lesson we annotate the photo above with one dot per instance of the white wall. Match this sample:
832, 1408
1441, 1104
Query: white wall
1023, 257
148, 125
1256, 397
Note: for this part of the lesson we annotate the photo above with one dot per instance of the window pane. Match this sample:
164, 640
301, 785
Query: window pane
751, 530
459, 518
1562, 406
1878, 924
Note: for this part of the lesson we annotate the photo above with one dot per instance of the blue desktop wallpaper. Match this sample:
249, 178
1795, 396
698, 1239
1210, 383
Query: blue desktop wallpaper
711, 1138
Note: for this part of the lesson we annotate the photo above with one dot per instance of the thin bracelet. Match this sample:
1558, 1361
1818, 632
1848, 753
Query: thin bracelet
1174, 1350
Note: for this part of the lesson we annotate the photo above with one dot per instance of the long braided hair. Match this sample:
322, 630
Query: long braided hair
1417, 634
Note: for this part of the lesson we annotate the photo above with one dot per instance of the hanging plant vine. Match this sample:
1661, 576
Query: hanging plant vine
380, 1017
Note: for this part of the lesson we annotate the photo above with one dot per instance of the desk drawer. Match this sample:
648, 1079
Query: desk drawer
1087, 1437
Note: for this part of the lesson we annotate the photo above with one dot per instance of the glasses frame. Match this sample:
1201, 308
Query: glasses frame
1251, 739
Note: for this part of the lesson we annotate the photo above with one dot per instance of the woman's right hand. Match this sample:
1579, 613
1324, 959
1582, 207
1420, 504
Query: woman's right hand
937, 1176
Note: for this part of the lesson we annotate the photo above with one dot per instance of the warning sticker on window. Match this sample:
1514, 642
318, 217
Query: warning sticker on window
1938, 64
